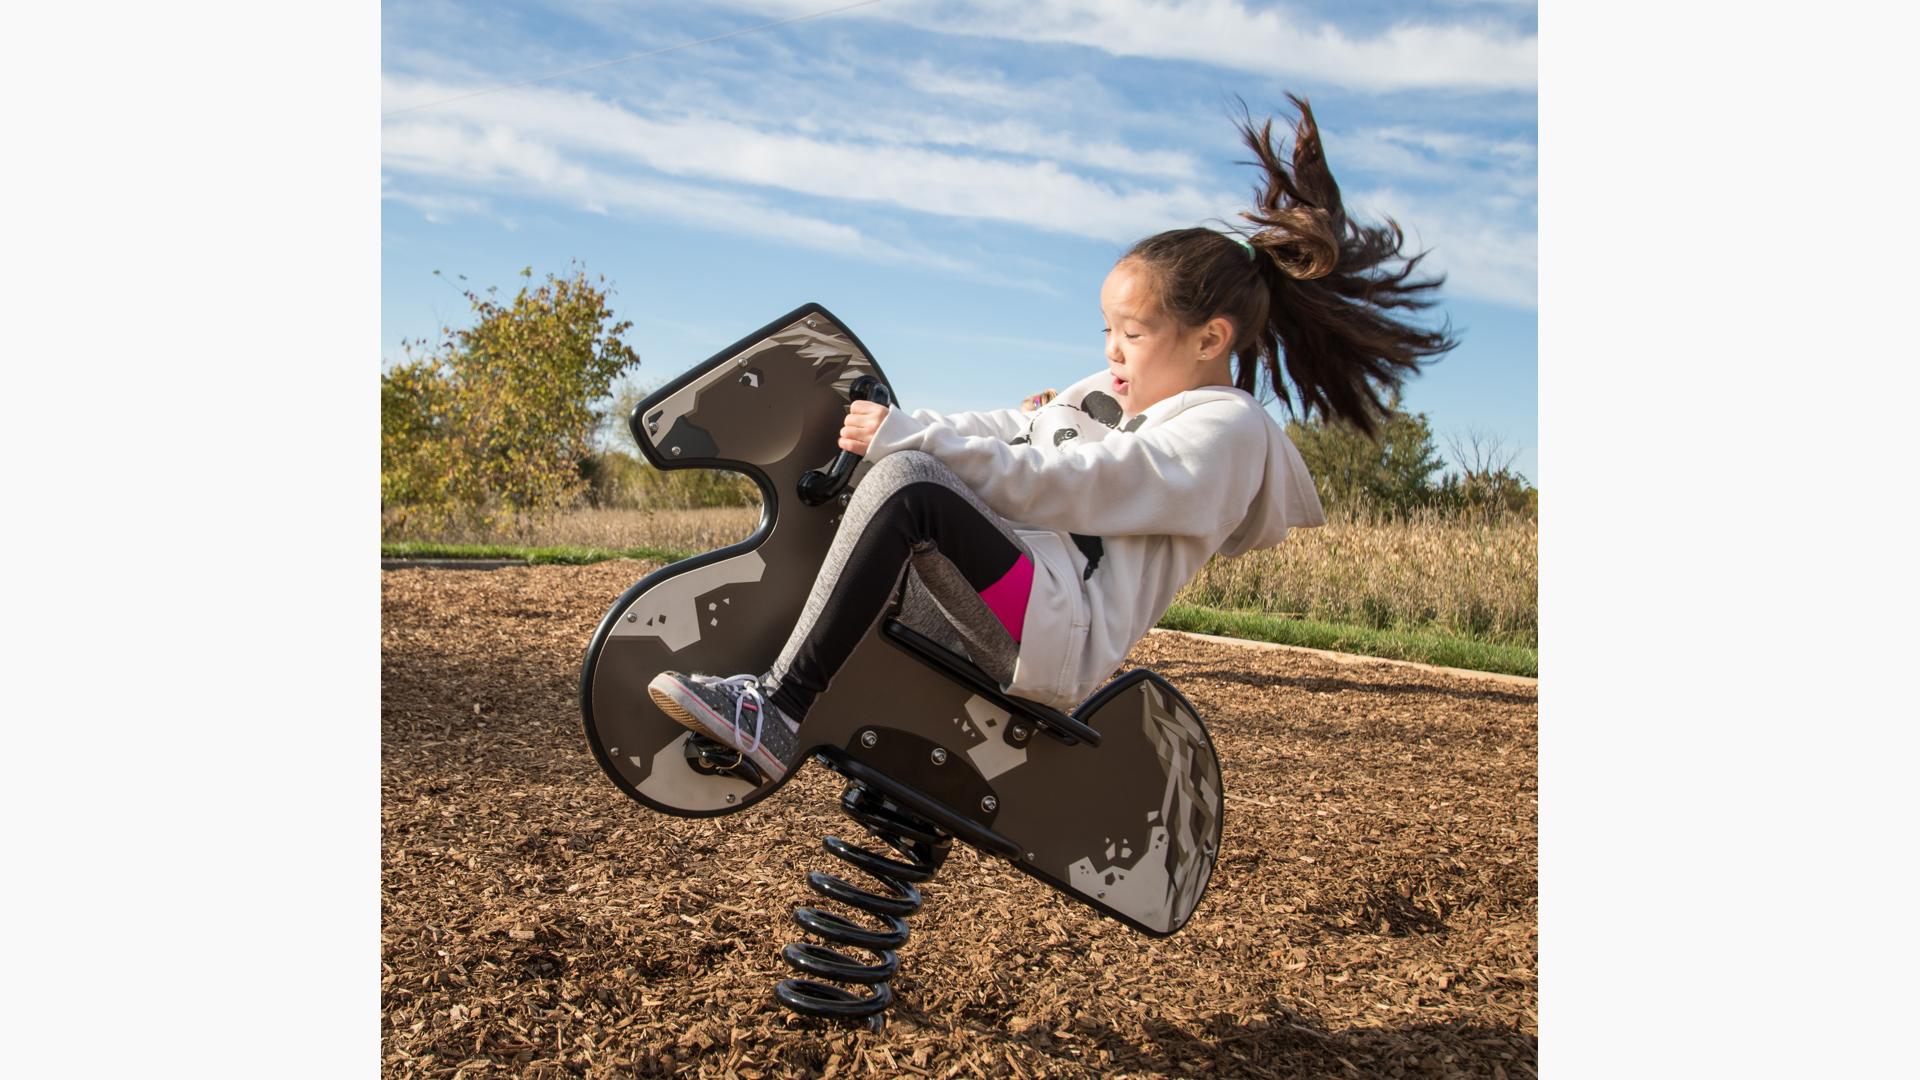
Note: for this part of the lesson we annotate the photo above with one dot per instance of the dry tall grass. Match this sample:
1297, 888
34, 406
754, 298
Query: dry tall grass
673, 529
1472, 573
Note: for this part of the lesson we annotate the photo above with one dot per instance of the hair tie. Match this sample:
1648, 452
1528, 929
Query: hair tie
1238, 239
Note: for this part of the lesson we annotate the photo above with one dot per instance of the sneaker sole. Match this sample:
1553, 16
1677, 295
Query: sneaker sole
673, 707
678, 711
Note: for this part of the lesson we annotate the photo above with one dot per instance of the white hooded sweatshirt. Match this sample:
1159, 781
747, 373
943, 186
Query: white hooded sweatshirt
1118, 514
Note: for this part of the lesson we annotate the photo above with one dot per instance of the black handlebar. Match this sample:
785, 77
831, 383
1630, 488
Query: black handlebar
820, 485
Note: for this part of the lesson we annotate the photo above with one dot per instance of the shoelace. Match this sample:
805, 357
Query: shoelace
748, 688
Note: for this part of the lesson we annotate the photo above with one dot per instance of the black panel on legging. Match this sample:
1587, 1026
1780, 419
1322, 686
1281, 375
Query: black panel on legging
919, 517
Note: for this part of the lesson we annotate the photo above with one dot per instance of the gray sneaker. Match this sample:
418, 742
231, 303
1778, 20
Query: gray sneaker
735, 712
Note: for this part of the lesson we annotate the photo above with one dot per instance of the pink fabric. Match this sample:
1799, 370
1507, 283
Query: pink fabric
1007, 598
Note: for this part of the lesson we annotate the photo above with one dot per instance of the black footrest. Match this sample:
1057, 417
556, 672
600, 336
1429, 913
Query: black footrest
1048, 719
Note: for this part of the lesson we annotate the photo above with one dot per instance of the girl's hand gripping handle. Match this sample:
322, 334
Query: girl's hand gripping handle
862, 424
870, 399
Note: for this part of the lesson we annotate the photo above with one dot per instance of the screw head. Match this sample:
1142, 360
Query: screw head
868, 738
631, 616
811, 325
989, 804
1020, 731
674, 450
939, 755
730, 796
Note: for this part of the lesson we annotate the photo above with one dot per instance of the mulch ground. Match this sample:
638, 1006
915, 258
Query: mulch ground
1373, 912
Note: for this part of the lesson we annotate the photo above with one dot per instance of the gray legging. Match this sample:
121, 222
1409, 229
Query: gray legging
967, 577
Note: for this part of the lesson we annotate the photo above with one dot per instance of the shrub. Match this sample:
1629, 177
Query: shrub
497, 421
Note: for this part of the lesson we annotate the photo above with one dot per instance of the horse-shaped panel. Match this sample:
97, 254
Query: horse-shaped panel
1117, 805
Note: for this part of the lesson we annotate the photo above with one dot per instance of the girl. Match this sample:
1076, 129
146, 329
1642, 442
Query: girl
1050, 538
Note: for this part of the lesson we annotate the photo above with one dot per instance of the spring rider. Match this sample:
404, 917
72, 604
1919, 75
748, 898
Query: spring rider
1117, 805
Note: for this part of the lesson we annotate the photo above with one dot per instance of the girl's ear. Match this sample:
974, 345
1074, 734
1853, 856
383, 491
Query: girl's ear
1215, 337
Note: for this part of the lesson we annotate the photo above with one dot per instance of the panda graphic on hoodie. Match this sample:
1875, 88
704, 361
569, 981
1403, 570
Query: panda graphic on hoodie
1058, 423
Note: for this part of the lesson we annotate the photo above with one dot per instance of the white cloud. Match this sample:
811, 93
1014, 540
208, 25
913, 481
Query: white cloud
524, 132
437, 208
1440, 156
735, 139
1018, 138
1475, 205
1479, 55
989, 88
502, 158
1484, 253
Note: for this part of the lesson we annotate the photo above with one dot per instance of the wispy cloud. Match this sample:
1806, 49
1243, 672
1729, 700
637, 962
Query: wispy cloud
1473, 55
522, 134
1015, 138
838, 141
1483, 252
503, 159
1399, 150
442, 207
981, 87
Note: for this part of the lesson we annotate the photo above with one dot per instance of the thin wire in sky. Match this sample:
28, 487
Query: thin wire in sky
625, 59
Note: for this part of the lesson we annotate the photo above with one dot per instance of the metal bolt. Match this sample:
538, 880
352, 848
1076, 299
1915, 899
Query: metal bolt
676, 451
868, 738
939, 755
631, 616
729, 796
989, 804
811, 325
1020, 731
1029, 856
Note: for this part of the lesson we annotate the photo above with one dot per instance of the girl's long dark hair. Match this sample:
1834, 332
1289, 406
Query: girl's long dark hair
1314, 294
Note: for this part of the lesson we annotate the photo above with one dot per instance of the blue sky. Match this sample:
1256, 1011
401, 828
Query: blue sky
952, 180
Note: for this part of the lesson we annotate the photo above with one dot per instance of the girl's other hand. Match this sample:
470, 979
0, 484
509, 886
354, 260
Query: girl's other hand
862, 423
1033, 403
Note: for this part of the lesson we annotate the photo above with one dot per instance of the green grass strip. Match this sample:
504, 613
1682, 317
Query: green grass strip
570, 556
1421, 646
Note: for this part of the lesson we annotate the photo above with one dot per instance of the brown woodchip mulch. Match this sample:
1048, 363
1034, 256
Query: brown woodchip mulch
1374, 911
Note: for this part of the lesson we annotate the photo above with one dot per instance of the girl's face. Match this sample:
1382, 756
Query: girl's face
1152, 356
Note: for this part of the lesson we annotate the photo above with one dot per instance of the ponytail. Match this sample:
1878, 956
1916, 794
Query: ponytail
1315, 296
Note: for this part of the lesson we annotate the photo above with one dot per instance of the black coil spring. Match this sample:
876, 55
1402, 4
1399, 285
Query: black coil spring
922, 847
